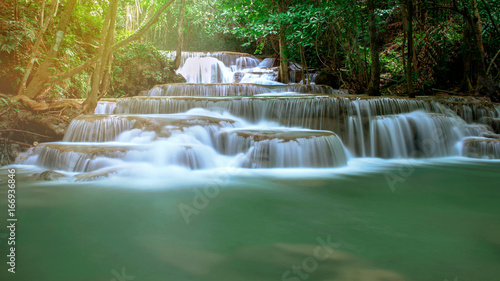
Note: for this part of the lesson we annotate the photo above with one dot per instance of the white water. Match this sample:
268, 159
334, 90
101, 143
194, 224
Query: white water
211, 124
208, 68
189, 140
105, 107
483, 148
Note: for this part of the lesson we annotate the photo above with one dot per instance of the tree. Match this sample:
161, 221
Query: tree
374, 85
42, 74
39, 40
43, 77
282, 25
104, 57
180, 35
408, 14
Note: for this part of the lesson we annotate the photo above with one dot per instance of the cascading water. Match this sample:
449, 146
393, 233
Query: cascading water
227, 90
484, 148
414, 135
284, 148
223, 67
206, 70
105, 107
75, 157
210, 123
228, 58
237, 181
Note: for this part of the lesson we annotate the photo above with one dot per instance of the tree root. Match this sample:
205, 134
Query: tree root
55, 106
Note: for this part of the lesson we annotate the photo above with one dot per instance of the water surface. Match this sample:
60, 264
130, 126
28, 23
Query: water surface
440, 221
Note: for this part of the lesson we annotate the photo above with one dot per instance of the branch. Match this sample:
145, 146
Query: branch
454, 8
137, 35
487, 8
492, 62
36, 106
85, 43
22, 131
16, 142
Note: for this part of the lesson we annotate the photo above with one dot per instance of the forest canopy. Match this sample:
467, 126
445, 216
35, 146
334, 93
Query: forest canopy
52, 49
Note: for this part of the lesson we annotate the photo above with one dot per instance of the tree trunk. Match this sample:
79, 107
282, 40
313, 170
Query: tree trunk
137, 35
107, 35
39, 40
180, 36
374, 85
405, 24
42, 13
303, 62
284, 77
106, 78
466, 81
409, 31
477, 27
41, 76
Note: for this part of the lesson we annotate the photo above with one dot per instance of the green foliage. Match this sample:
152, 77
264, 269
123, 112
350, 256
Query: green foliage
333, 35
137, 67
17, 38
8, 105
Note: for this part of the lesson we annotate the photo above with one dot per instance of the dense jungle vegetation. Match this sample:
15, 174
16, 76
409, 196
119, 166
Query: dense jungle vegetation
76, 48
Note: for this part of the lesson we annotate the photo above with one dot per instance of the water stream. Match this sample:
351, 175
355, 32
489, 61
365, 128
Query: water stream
233, 176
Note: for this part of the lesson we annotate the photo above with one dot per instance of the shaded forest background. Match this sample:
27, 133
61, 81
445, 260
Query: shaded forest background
52, 51
418, 45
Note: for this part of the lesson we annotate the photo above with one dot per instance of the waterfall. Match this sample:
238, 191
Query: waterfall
474, 110
105, 128
75, 157
414, 135
284, 148
90, 157
267, 63
228, 58
246, 62
98, 128
262, 78
484, 148
211, 123
323, 112
477, 129
206, 70
226, 90
105, 107
226, 67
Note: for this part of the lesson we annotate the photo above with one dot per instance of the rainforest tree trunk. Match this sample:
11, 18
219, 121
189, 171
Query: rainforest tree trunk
374, 84
477, 28
136, 36
42, 75
107, 35
283, 70
180, 36
409, 60
467, 79
34, 53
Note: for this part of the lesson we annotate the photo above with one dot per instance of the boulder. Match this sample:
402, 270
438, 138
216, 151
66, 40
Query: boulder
329, 79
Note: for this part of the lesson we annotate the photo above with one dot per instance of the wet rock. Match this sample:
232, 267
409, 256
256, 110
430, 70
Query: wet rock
238, 76
327, 79
490, 136
48, 176
271, 262
482, 148
489, 89
8, 152
85, 177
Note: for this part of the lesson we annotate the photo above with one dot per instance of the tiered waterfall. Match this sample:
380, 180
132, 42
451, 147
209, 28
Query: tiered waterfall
233, 114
